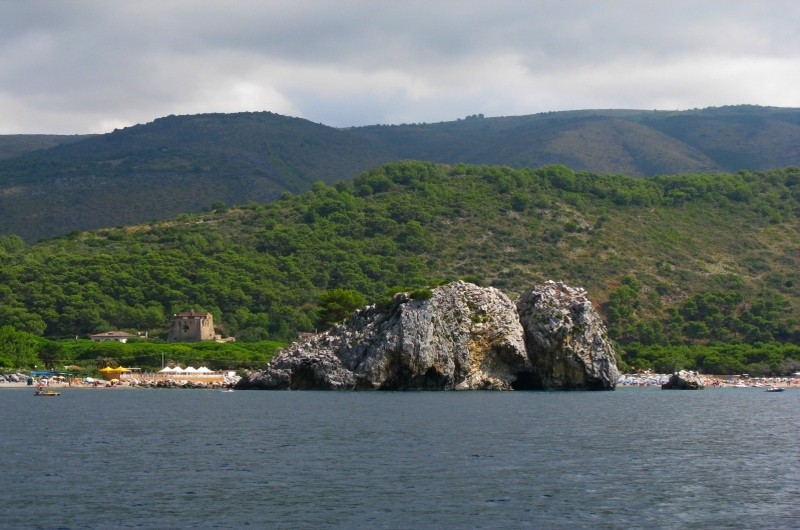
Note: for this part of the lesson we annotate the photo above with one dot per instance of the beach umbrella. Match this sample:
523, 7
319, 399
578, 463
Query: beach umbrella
190, 369
115, 380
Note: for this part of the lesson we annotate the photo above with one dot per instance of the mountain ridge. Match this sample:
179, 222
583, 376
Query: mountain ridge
12, 145
181, 164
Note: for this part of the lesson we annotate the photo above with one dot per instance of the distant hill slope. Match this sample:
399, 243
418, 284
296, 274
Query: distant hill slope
596, 143
183, 163
172, 165
12, 145
631, 142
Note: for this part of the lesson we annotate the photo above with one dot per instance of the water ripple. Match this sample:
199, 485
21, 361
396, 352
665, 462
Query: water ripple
630, 458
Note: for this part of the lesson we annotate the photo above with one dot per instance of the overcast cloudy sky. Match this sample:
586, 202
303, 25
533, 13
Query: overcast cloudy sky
77, 67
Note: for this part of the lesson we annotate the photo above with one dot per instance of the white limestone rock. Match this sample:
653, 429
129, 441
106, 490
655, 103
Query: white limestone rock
566, 340
464, 337
684, 380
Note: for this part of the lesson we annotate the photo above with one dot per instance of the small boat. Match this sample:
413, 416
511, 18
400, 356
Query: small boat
227, 390
774, 389
46, 393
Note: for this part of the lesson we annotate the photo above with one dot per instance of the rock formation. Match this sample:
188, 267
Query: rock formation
227, 382
566, 339
463, 337
13, 378
684, 380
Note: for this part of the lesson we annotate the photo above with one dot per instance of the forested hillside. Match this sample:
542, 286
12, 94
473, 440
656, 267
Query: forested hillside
689, 270
173, 165
184, 163
12, 145
632, 142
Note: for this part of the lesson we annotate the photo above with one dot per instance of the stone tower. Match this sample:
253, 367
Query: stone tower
191, 327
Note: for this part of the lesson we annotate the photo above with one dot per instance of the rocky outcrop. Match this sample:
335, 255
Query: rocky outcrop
566, 339
13, 378
463, 337
684, 380
227, 382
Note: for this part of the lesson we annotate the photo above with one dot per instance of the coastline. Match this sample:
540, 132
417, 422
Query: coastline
186, 385
169, 383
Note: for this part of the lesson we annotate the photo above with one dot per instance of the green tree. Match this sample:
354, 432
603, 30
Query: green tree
50, 354
11, 243
17, 348
337, 304
22, 320
622, 303
106, 362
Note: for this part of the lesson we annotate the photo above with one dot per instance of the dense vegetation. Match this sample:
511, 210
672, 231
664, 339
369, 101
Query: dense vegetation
184, 163
22, 349
689, 270
631, 142
173, 165
12, 145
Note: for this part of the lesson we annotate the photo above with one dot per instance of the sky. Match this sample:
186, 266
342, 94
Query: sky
89, 67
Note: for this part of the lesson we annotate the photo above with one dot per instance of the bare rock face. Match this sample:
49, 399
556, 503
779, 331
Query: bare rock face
464, 337
566, 340
684, 380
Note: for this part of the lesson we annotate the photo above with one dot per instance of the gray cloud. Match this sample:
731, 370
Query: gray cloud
92, 66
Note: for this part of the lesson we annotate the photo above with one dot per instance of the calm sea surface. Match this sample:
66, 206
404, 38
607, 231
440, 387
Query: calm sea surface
634, 458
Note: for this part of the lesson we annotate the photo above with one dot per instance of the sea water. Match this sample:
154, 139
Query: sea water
633, 458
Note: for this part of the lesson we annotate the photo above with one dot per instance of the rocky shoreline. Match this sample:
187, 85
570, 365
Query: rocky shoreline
684, 380
460, 337
229, 382
20, 381
13, 378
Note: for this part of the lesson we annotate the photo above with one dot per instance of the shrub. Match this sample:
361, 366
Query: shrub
520, 200
422, 294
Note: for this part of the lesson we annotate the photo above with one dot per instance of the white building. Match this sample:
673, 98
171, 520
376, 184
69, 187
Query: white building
119, 336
